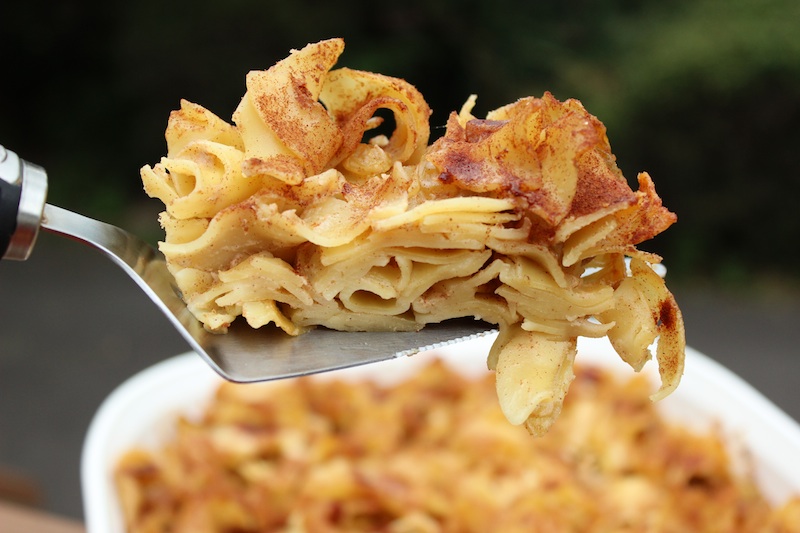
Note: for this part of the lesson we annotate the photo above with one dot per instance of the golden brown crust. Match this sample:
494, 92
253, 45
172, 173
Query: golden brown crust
554, 160
435, 454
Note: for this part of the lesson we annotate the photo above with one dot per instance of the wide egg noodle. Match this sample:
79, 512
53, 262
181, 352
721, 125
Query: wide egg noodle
288, 134
354, 96
301, 214
532, 389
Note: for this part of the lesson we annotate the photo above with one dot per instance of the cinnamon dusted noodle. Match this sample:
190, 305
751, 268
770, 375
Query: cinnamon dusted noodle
296, 215
318, 455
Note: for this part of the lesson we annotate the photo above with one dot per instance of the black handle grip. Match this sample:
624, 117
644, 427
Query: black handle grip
9, 208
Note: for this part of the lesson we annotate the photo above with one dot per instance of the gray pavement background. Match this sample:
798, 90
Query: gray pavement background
73, 327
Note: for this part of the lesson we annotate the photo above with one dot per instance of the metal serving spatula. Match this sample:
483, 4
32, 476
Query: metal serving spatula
243, 354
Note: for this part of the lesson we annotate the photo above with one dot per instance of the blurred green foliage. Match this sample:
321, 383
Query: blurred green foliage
703, 94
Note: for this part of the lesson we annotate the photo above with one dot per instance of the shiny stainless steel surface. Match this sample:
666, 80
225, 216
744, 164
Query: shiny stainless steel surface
243, 354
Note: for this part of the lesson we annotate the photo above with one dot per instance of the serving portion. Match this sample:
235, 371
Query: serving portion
319, 455
298, 215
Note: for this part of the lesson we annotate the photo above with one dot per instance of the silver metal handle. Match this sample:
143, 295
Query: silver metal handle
28, 183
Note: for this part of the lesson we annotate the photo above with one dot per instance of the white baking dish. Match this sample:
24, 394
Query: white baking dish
141, 412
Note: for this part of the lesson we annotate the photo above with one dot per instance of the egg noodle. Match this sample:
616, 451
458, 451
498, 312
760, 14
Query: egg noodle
298, 214
434, 454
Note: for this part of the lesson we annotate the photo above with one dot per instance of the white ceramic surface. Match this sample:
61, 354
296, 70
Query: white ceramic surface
142, 411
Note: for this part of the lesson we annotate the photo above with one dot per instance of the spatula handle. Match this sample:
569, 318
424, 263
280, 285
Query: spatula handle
23, 190
9, 205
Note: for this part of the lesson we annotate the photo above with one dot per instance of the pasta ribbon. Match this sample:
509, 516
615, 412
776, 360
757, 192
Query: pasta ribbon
300, 214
